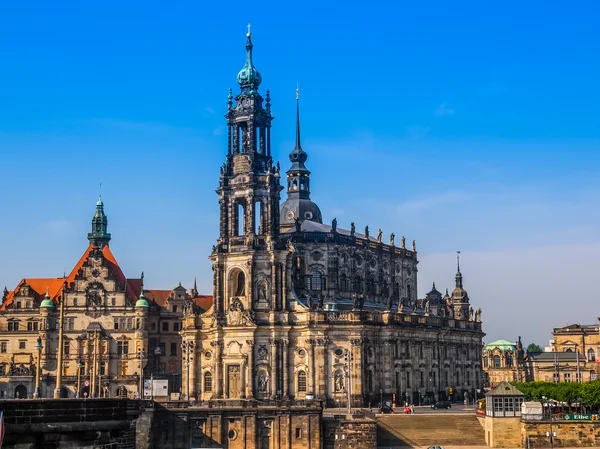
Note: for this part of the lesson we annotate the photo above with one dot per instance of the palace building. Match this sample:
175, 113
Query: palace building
305, 309
112, 329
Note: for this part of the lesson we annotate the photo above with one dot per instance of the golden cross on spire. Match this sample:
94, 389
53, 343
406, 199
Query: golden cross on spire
297, 91
249, 35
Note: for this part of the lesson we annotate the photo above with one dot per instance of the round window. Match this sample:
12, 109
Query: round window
308, 215
302, 353
339, 352
290, 215
207, 354
232, 434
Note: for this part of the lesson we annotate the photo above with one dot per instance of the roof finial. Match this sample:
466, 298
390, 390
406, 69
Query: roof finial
458, 261
249, 35
297, 91
195, 286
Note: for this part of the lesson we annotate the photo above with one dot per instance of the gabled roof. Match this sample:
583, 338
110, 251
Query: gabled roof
505, 389
558, 356
54, 285
160, 297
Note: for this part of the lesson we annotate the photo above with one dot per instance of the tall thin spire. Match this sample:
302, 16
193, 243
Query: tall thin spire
458, 278
458, 261
298, 146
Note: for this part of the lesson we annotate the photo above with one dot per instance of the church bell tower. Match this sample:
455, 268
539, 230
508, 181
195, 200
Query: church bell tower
249, 184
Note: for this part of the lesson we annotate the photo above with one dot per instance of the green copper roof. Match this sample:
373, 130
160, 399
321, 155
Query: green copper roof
142, 303
249, 76
47, 303
500, 344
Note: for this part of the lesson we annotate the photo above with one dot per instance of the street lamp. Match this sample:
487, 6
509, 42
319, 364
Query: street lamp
79, 366
38, 368
550, 434
141, 373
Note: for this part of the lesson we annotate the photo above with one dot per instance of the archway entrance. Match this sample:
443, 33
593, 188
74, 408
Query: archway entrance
85, 392
122, 392
234, 381
21, 392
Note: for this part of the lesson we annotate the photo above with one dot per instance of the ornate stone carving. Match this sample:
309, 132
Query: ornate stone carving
237, 315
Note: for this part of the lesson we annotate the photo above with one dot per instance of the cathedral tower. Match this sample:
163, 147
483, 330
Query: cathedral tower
249, 184
298, 206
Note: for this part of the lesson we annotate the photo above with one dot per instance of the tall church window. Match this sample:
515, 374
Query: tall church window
238, 283
208, 382
509, 361
316, 280
257, 224
485, 362
408, 291
591, 355
496, 361
357, 287
371, 286
302, 381
343, 283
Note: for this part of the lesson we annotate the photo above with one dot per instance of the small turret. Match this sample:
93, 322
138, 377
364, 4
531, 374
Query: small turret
99, 237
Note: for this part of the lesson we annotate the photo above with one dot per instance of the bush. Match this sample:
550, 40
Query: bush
568, 392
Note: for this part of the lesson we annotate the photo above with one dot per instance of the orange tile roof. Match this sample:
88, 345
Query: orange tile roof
160, 297
54, 285
205, 302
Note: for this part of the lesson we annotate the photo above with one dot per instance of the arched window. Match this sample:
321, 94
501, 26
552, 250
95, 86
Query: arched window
485, 362
509, 361
302, 381
295, 184
371, 286
357, 287
343, 283
239, 283
208, 382
408, 292
317, 280
496, 361
591, 355
569, 350
592, 375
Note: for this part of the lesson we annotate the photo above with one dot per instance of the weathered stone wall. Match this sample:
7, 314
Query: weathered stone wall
246, 426
70, 423
501, 432
568, 433
357, 433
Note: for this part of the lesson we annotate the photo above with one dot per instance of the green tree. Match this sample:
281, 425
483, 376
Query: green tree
534, 348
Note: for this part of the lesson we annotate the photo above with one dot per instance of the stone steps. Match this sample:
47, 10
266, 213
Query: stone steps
426, 430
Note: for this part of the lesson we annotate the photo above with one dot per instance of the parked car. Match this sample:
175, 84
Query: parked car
435, 447
386, 409
441, 404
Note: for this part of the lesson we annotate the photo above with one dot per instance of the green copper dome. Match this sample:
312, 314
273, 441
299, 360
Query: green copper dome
47, 302
142, 301
249, 76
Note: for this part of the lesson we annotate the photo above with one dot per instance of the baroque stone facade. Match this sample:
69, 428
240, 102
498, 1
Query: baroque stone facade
505, 361
112, 329
304, 309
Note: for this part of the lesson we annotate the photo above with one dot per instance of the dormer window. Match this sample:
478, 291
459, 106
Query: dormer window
17, 304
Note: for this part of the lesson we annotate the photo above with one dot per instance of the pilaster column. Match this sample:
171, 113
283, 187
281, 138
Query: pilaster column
326, 368
250, 370
311, 359
320, 372
286, 384
193, 380
356, 372
214, 373
273, 361
274, 302
284, 272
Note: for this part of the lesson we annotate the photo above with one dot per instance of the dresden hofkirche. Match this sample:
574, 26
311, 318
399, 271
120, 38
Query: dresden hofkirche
301, 309
305, 309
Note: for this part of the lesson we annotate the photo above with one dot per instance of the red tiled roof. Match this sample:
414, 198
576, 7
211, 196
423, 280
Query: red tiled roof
205, 302
160, 297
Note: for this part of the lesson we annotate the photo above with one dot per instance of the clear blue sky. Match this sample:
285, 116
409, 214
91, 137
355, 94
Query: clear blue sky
471, 126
